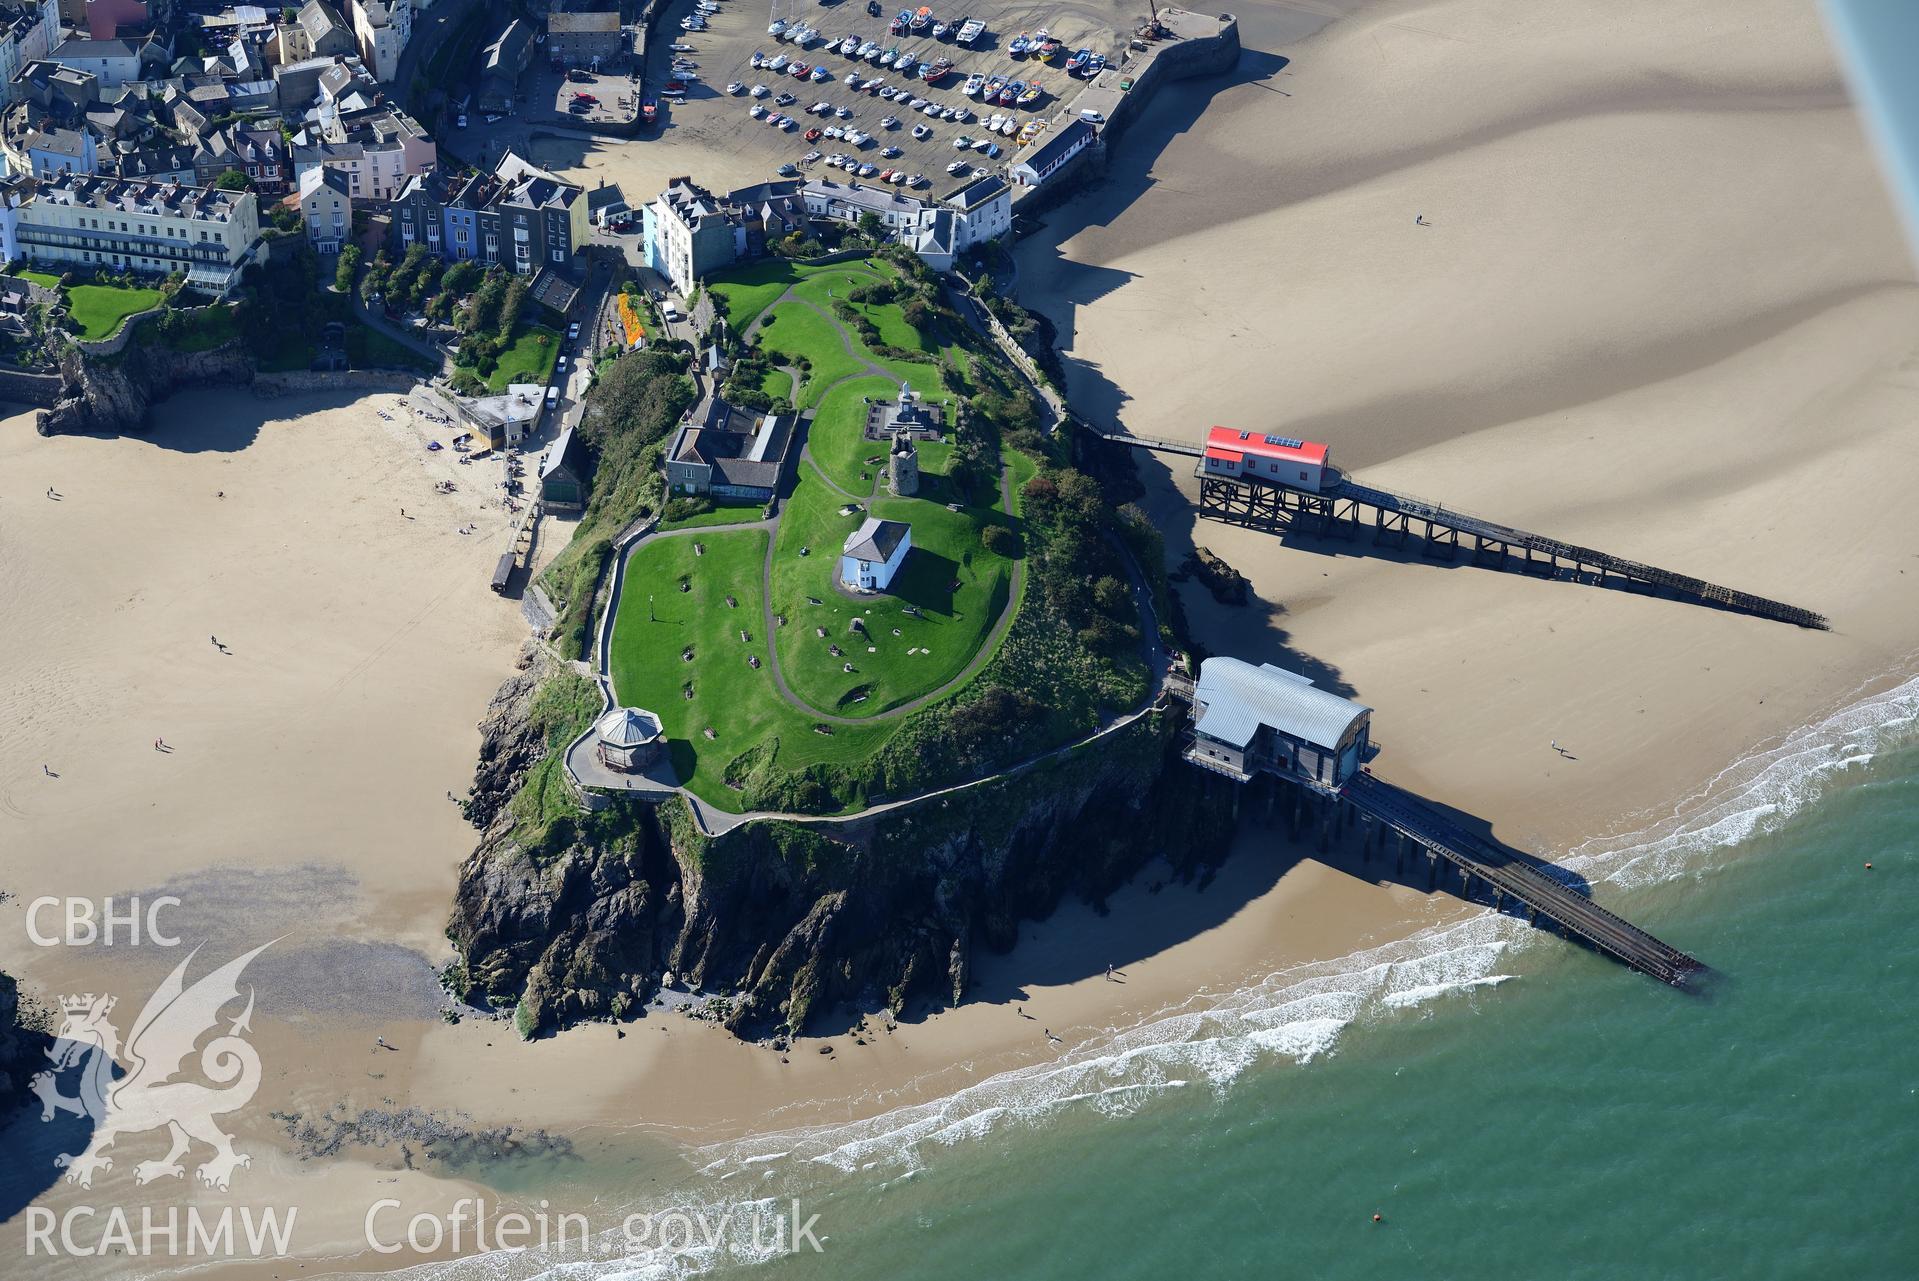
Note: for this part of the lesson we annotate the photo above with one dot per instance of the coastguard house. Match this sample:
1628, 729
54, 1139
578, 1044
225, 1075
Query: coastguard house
873, 553
1249, 719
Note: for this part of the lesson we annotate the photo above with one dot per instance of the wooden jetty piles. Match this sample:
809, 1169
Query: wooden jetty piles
1508, 877
1337, 506
1250, 720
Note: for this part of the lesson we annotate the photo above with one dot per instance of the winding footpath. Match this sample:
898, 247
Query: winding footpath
582, 764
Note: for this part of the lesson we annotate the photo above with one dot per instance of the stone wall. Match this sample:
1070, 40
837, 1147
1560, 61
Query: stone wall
19, 387
1164, 62
300, 381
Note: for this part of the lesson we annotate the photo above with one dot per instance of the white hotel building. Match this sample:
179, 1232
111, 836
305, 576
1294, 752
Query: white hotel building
155, 227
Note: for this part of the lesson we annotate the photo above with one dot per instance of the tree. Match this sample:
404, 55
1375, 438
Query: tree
349, 267
870, 225
233, 180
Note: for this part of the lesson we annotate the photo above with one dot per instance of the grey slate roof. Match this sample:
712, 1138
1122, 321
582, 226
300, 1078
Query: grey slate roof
875, 539
628, 727
1239, 698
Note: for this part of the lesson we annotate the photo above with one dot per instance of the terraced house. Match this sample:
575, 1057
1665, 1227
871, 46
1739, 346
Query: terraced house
209, 234
519, 215
378, 152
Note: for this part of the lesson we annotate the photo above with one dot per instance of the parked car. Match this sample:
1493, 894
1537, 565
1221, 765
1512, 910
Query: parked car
572, 334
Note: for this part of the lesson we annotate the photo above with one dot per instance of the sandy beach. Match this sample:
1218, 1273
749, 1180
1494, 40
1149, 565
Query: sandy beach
1662, 308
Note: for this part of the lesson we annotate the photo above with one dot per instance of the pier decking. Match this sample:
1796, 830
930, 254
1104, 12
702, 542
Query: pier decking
1250, 721
1339, 509
1510, 878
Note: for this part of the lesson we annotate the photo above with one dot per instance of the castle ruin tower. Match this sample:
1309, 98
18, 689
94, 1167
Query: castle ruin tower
903, 466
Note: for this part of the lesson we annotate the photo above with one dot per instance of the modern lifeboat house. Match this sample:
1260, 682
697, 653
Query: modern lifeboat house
1249, 719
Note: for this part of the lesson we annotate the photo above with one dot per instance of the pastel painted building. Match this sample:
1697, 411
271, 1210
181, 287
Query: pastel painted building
872, 555
326, 209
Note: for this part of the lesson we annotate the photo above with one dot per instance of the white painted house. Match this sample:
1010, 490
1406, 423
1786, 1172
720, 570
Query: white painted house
873, 554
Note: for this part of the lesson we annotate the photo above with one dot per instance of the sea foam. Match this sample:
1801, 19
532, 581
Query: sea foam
1300, 1013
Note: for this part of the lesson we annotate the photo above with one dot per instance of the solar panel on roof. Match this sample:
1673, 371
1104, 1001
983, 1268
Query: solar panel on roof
1285, 442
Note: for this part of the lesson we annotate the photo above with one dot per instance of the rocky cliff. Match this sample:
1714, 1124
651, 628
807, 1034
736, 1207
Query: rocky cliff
788, 922
111, 393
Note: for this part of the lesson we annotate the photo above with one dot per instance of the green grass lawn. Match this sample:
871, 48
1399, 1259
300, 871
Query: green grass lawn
957, 585
778, 384
837, 436
795, 329
99, 310
838, 433
368, 348
745, 293
529, 360
725, 513
731, 697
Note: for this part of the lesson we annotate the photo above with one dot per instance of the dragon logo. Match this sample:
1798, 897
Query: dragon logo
147, 1097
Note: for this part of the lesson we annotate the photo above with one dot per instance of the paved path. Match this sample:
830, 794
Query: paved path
374, 320
582, 762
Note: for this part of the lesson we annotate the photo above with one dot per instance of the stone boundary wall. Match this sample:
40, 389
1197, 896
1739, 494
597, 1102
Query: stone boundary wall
20, 387
295, 382
838, 255
113, 344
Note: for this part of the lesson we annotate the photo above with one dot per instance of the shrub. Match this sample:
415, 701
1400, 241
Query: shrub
999, 540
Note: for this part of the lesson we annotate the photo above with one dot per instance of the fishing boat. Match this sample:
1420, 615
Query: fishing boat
922, 19
1029, 95
939, 30
991, 92
969, 31
1011, 90
937, 69
974, 83
1078, 60
1016, 47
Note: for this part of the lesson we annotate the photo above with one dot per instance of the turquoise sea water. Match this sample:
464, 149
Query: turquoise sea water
1511, 1106
1578, 1122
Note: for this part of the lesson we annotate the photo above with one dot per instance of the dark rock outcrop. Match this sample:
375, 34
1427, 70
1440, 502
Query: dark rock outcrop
793, 921
112, 393
510, 743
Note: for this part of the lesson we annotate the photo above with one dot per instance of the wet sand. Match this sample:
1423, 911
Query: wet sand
1625, 327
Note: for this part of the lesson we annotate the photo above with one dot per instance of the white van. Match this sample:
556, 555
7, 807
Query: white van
670, 310
552, 397
1091, 117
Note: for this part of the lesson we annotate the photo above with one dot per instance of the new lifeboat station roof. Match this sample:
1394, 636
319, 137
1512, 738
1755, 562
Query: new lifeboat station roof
1239, 698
